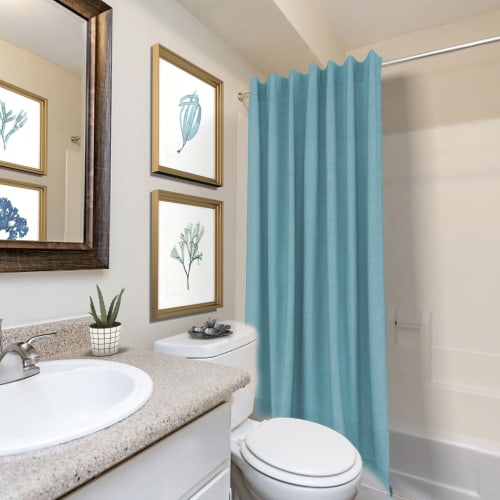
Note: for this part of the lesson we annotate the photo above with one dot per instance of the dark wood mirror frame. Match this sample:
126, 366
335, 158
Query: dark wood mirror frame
93, 253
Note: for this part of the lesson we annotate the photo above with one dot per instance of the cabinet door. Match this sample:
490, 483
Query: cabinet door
216, 489
177, 467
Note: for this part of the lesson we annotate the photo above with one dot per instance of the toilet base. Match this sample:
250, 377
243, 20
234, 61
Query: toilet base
239, 487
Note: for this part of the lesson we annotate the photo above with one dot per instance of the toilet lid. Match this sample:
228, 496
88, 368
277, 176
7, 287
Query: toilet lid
302, 453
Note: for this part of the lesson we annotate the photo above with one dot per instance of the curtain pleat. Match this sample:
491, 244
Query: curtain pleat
315, 270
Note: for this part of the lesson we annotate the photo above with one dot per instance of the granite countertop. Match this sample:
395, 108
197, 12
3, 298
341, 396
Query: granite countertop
182, 391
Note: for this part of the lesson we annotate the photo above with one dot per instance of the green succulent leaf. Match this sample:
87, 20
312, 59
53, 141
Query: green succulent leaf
105, 318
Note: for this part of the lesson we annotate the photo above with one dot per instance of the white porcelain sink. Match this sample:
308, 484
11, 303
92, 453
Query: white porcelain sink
68, 399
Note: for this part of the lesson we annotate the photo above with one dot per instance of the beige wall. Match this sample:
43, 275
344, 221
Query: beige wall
441, 121
35, 297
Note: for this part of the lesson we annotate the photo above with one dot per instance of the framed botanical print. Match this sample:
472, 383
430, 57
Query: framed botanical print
23, 211
187, 119
23, 129
186, 254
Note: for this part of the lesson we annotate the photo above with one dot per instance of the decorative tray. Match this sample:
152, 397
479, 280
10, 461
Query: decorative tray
210, 330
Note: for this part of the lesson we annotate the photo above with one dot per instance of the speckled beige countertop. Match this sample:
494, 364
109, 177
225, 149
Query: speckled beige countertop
182, 391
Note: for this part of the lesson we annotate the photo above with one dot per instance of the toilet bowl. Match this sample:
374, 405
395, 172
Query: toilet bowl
293, 459
278, 458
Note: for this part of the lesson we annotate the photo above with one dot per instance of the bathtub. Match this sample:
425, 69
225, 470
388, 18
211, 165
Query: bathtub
424, 468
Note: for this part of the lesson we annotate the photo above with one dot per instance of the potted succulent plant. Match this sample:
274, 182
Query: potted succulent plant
105, 331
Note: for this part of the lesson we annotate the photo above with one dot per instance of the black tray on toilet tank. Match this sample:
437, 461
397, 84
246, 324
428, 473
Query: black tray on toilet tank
208, 332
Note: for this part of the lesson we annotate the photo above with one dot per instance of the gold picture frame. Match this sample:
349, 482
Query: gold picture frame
186, 254
23, 129
187, 119
23, 211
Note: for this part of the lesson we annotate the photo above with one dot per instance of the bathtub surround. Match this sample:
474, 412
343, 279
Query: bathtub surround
441, 120
443, 467
315, 282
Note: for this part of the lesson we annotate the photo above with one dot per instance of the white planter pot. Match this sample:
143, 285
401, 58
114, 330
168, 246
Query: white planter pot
105, 341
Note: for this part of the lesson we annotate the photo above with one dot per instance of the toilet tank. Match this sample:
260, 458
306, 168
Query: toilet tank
238, 350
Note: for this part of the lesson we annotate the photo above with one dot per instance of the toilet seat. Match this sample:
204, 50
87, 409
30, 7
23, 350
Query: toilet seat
301, 453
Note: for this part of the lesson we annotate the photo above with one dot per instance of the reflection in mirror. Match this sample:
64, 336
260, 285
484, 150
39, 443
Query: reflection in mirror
57, 55
34, 60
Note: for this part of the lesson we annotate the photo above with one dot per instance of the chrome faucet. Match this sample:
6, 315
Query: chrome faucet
19, 359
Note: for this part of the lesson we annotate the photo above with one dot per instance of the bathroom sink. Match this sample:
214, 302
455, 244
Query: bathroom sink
68, 399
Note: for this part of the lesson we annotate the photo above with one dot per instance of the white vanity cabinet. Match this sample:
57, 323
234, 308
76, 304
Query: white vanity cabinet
191, 463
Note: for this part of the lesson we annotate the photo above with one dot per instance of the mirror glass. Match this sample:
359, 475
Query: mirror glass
55, 145
43, 48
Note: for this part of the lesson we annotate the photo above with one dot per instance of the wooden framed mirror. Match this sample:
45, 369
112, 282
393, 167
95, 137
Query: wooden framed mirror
92, 252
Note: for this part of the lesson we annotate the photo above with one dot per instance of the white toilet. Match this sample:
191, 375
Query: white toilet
279, 458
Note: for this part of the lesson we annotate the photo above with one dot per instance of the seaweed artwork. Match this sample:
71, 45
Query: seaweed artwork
11, 222
189, 248
189, 117
6, 117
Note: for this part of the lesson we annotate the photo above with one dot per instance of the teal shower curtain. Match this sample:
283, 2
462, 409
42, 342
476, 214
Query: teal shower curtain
315, 268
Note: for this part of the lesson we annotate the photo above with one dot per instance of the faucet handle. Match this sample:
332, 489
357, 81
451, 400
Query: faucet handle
36, 337
30, 352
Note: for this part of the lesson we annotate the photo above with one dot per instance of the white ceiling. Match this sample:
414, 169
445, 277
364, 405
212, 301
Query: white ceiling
261, 33
360, 22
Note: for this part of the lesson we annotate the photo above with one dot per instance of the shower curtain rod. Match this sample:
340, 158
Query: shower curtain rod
422, 55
